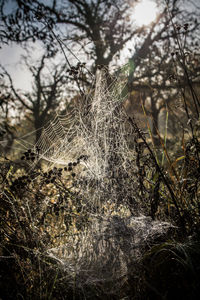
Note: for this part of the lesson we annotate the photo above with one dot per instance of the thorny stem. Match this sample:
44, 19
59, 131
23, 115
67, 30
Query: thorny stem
134, 125
61, 46
194, 96
193, 93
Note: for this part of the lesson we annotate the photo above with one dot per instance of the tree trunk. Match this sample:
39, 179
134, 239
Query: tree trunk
38, 127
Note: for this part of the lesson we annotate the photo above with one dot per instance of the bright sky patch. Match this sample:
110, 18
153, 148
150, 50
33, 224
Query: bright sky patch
145, 12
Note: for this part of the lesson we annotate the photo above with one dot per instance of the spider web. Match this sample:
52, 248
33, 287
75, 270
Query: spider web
96, 128
56, 141
112, 245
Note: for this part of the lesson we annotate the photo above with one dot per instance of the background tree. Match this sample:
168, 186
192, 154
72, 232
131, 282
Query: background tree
102, 29
47, 92
167, 67
7, 130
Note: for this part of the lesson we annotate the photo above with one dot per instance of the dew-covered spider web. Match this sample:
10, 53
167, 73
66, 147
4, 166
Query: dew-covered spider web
97, 133
96, 128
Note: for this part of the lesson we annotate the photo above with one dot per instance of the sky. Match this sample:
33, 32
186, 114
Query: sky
10, 58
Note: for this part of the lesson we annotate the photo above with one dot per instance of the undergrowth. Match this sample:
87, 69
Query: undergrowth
131, 232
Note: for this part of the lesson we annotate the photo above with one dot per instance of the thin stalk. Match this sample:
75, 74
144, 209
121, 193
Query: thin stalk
173, 197
186, 74
165, 137
150, 133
